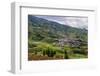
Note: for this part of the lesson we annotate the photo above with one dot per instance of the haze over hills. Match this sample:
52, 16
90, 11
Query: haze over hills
73, 21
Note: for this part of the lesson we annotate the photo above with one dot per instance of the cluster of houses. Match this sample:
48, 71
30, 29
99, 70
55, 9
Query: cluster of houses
70, 42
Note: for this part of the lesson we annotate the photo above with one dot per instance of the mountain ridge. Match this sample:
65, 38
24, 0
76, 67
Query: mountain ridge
51, 29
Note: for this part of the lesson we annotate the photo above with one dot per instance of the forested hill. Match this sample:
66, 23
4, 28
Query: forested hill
40, 29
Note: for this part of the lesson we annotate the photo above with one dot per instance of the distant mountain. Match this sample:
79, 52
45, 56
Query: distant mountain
40, 29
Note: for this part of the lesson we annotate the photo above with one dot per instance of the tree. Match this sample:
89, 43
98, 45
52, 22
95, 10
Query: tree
50, 51
44, 52
66, 55
67, 51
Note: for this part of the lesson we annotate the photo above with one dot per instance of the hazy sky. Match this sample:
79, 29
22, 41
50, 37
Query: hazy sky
79, 22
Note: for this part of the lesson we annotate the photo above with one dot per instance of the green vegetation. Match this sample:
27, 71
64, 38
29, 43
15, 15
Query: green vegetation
51, 40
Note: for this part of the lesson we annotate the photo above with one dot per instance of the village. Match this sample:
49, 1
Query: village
69, 42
